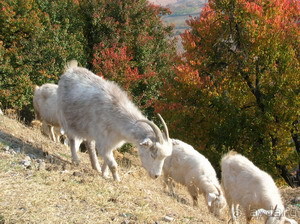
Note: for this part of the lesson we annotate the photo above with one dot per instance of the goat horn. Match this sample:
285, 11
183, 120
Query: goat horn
274, 211
156, 130
218, 189
165, 126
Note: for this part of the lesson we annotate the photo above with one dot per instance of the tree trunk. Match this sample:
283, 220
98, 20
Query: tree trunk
285, 175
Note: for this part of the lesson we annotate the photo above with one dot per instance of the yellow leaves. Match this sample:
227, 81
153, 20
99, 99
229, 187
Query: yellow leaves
187, 75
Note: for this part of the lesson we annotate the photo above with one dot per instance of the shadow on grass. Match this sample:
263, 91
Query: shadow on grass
179, 198
19, 146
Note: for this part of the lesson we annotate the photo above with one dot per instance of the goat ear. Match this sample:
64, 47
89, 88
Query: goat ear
210, 198
146, 142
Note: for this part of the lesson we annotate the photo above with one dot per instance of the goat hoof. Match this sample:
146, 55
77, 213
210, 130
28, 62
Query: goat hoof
117, 178
105, 175
97, 170
76, 162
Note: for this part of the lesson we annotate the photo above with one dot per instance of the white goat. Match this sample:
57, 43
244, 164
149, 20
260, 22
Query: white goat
45, 107
190, 168
252, 189
93, 108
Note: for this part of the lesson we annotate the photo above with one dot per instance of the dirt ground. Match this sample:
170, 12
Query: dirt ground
52, 190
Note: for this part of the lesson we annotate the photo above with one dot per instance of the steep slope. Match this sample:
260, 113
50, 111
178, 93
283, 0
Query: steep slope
51, 190
47, 188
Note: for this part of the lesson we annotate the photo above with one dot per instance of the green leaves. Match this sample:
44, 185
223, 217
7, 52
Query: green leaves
37, 38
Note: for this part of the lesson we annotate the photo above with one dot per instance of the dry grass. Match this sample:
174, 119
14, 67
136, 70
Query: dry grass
62, 193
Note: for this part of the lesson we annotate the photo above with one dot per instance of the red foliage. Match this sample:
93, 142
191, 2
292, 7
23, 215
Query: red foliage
115, 63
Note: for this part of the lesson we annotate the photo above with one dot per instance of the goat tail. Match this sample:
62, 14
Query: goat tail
71, 64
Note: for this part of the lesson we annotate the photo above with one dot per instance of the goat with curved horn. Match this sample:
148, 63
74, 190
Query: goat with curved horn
93, 108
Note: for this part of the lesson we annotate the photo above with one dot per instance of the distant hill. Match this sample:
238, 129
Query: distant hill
163, 2
182, 10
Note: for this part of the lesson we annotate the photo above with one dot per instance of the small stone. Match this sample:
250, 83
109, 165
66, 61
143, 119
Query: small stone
168, 219
26, 163
17, 150
64, 171
32, 156
11, 151
6, 148
77, 174
27, 158
42, 165
126, 215
30, 141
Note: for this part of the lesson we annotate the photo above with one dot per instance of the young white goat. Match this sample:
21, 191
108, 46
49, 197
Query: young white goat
188, 167
252, 189
93, 108
45, 107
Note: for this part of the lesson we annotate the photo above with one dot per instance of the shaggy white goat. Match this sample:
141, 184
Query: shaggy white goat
190, 168
93, 108
252, 189
45, 107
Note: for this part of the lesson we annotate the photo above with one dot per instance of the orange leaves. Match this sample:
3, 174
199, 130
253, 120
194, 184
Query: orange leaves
187, 75
279, 14
115, 63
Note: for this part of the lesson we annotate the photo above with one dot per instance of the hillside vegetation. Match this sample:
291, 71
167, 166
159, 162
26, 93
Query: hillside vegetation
59, 192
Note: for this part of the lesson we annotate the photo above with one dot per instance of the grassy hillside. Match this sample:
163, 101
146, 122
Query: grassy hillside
49, 189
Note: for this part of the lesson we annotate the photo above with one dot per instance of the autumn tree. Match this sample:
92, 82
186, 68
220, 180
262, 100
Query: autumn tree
123, 41
36, 39
237, 86
129, 44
